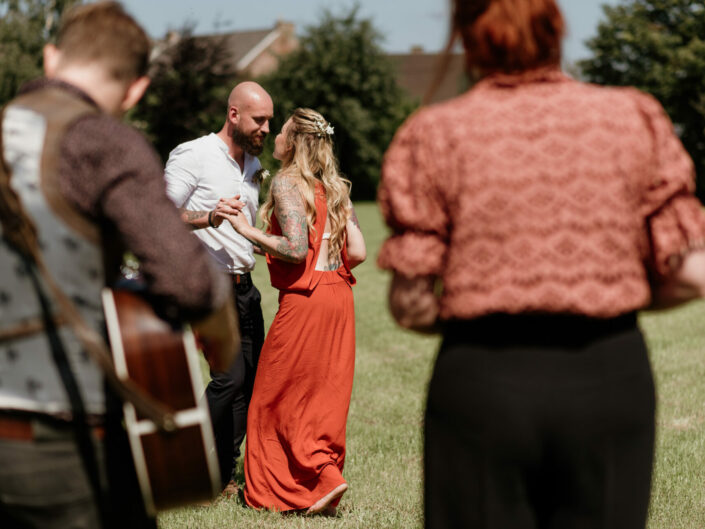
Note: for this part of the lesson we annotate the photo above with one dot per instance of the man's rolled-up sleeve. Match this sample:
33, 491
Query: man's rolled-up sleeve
180, 174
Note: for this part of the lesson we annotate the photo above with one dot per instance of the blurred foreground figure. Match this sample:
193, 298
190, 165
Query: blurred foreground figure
93, 188
550, 211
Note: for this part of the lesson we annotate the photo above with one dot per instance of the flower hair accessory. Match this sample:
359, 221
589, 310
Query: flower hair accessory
322, 128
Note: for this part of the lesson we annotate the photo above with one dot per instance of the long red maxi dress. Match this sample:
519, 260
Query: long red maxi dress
296, 421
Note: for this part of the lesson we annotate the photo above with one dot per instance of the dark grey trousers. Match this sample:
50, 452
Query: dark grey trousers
43, 483
229, 393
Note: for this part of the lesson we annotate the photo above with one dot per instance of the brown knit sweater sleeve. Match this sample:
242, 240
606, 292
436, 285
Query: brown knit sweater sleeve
110, 172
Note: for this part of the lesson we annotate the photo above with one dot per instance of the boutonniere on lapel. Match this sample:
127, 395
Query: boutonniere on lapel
260, 176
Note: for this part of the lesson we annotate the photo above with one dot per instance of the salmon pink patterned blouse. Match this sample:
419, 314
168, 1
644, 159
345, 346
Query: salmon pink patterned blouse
538, 193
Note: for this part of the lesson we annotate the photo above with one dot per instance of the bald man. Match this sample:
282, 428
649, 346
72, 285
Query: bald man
205, 176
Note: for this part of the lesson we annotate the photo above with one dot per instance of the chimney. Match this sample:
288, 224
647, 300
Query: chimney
172, 37
286, 28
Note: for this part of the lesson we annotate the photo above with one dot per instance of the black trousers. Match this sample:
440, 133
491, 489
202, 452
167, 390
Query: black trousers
229, 393
540, 422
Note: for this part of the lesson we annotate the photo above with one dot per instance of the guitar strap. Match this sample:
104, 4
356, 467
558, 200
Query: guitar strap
21, 233
80, 425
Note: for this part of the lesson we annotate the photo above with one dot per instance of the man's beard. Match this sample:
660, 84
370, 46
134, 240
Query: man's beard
251, 144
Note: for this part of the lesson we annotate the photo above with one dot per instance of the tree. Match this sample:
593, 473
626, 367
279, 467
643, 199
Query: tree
340, 71
187, 98
25, 26
658, 46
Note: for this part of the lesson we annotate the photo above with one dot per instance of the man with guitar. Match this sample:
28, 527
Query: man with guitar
207, 176
78, 188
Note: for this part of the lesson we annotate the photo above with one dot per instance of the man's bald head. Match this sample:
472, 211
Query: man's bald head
247, 93
250, 108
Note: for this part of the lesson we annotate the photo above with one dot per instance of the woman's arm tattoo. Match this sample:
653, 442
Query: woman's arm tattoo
353, 217
333, 265
291, 213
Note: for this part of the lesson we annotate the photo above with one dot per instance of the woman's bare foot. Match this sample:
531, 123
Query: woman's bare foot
324, 504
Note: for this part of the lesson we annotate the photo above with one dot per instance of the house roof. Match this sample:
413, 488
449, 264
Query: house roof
242, 44
242, 47
416, 70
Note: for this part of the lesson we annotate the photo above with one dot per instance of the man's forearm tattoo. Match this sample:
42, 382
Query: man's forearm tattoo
191, 216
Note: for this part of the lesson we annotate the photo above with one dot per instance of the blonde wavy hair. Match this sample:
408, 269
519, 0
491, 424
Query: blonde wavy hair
310, 160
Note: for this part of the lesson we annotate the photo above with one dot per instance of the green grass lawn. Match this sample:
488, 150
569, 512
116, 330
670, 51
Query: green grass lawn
384, 445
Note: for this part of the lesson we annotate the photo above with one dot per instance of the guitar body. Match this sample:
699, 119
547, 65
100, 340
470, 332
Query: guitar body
177, 468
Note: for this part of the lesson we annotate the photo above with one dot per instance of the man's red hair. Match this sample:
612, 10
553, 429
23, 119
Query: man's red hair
509, 35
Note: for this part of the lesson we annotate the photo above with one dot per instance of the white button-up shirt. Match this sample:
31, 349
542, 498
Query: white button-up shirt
199, 173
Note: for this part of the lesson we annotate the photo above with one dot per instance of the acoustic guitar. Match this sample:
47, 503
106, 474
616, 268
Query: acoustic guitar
176, 468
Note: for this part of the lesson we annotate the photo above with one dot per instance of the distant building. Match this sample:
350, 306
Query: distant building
257, 52
250, 53
416, 70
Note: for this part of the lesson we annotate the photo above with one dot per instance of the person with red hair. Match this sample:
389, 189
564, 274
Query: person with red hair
531, 218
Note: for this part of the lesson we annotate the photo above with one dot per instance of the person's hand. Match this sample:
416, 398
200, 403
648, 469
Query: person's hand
238, 221
227, 206
215, 220
413, 303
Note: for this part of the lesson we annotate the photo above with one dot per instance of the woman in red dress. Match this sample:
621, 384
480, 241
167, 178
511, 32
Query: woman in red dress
296, 421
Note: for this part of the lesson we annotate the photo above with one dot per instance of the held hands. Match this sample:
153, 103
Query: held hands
239, 222
228, 209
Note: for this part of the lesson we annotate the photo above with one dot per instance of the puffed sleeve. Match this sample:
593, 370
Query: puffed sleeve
674, 216
412, 203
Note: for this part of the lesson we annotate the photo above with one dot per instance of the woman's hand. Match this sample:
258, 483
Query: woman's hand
292, 245
414, 304
240, 224
226, 206
686, 283
238, 221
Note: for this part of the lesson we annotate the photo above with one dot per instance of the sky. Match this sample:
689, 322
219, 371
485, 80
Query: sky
404, 23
